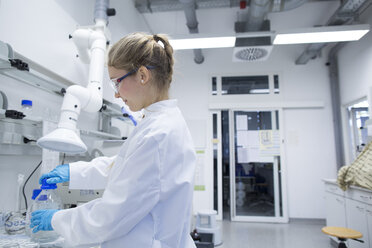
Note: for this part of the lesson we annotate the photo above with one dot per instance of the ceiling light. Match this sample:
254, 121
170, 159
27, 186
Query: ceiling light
322, 34
201, 43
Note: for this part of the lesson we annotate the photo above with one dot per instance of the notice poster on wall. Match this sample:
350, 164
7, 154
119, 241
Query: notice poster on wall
241, 122
199, 184
269, 143
257, 146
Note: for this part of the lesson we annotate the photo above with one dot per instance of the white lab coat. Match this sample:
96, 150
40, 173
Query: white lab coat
148, 189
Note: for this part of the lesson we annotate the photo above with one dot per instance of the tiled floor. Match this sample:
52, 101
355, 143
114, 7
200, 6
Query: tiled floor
298, 233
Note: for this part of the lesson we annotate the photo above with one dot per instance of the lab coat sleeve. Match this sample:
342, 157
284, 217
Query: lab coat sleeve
131, 193
90, 175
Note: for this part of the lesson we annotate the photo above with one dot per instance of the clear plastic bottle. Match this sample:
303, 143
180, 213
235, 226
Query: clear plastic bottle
30, 209
47, 199
27, 108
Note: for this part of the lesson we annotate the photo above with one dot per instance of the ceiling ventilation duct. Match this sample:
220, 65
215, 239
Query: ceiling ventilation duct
249, 49
254, 47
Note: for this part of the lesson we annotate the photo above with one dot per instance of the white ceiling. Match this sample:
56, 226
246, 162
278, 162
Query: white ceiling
211, 21
221, 20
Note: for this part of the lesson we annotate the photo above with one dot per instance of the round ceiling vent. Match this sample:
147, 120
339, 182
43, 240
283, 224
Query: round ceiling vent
251, 53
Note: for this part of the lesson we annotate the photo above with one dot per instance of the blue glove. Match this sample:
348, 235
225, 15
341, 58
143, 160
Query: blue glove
58, 175
42, 219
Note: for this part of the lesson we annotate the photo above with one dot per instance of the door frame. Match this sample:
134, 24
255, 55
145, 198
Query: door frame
277, 219
218, 141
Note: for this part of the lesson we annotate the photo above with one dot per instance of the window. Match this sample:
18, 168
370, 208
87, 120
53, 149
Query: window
214, 86
276, 84
358, 115
245, 85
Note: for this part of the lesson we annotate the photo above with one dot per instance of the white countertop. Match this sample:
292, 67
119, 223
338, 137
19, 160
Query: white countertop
23, 240
334, 181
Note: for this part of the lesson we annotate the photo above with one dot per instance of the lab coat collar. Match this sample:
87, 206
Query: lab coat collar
159, 106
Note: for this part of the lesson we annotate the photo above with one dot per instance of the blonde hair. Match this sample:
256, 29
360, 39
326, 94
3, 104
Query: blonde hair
141, 49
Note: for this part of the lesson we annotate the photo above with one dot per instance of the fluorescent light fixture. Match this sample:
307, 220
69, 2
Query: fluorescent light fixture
63, 140
322, 34
201, 43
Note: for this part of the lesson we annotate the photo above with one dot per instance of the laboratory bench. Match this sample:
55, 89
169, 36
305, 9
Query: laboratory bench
351, 208
23, 241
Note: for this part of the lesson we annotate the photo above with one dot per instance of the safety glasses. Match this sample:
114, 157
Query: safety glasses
115, 82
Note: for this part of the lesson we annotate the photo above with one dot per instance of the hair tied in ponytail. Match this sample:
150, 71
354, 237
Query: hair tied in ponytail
157, 39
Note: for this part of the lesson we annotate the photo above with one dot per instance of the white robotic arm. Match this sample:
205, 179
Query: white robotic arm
91, 44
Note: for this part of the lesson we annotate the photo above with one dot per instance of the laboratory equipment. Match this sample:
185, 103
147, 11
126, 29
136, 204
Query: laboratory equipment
47, 199
206, 223
15, 223
91, 43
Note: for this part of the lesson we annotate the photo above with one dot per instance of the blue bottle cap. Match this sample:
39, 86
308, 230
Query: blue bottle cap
45, 185
35, 193
26, 102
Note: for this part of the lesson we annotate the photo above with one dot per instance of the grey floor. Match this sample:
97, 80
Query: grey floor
298, 233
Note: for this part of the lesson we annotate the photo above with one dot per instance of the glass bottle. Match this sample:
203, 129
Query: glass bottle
47, 199
27, 108
30, 209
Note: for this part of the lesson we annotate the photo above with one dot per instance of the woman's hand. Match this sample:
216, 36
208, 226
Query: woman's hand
58, 175
42, 220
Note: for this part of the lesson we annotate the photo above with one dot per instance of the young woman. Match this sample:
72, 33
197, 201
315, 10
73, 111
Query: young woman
149, 184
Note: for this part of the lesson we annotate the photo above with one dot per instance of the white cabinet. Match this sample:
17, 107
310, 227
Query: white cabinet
369, 220
335, 210
351, 209
356, 216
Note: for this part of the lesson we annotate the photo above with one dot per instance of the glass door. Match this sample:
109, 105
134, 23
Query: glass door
255, 166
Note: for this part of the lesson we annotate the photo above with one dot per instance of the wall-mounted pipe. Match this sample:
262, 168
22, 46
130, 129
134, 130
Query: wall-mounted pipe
91, 43
192, 25
100, 10
336, 103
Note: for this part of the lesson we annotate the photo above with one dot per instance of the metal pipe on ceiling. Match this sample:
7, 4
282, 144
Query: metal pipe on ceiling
347, 13
192, 25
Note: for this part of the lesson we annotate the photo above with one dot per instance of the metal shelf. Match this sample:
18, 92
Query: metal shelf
44, 79
13, 131
12, 136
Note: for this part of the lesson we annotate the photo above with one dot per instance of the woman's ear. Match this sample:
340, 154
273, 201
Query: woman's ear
144, 75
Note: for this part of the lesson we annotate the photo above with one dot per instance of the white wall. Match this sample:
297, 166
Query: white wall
310, 154
355, 63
